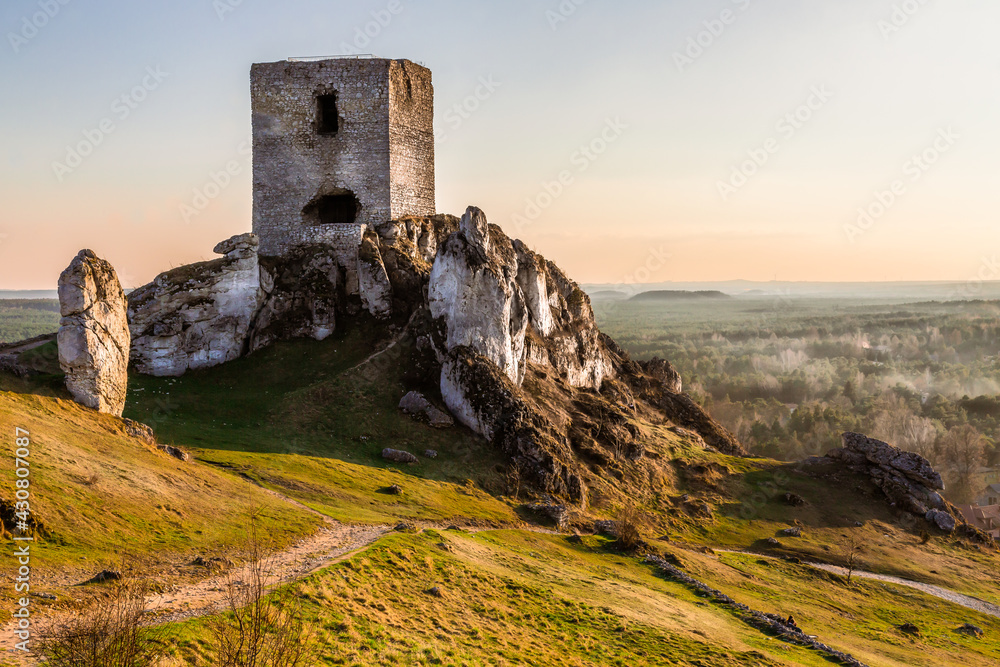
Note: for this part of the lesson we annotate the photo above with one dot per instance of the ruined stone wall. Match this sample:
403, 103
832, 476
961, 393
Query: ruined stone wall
411, 140
375, 146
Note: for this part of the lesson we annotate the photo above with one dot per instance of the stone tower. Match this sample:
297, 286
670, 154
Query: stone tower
339, 145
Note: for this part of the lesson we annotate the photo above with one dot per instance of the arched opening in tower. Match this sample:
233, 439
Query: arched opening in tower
341, 208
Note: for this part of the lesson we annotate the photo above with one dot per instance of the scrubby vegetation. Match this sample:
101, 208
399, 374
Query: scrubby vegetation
789, 375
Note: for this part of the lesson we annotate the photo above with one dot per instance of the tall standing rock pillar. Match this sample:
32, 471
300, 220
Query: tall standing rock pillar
94, 338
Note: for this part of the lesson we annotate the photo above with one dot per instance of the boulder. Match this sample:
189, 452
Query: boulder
415, 404
197, 316
175, 452
397, 456
908, 464
140, 431
93, 334
941, 519
971, 631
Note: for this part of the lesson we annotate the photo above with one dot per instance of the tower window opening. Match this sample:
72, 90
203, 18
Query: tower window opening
329, 117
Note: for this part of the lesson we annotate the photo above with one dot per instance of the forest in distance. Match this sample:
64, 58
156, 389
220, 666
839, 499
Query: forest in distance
789, 374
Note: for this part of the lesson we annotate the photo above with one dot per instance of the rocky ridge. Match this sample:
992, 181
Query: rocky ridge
500, 336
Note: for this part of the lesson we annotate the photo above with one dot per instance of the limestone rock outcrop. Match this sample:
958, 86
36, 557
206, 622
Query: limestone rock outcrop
908, 480
473, 289
662, 370
196, 316
500, 301
474, 319
508, 327
93, 334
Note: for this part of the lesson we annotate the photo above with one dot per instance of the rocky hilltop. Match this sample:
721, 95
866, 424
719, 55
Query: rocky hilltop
499, 335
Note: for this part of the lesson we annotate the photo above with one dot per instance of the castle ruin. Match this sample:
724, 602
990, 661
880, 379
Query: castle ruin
339, 145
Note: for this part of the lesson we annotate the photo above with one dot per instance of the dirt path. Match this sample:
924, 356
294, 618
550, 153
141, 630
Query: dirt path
966, 601
951, 596
330, 545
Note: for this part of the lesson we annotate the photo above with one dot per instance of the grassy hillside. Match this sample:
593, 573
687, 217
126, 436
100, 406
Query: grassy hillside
98, 494
309, 421
513, 598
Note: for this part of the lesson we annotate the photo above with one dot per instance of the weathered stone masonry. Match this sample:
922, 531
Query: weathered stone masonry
339, 146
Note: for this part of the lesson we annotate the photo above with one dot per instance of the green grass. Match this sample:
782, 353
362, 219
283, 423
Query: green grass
303, 418
861, 619
100, 494
510, 598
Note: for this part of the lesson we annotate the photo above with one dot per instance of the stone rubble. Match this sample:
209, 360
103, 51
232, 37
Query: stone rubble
766, 622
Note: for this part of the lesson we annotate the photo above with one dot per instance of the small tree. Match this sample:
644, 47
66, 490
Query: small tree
110, 633
965, 449
259, 628
514, 479
851, 549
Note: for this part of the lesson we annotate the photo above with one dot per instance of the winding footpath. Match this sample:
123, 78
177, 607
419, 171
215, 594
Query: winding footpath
975, 604
966, 601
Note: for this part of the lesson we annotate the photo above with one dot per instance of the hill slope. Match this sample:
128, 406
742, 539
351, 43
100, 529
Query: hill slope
309, 420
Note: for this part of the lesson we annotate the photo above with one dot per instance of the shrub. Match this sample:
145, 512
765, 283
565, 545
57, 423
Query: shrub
111, 633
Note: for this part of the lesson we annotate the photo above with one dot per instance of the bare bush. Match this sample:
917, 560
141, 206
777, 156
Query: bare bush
629, 528
260, 628
110, 633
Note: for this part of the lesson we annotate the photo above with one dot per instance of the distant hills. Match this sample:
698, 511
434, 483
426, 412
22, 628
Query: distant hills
680, 295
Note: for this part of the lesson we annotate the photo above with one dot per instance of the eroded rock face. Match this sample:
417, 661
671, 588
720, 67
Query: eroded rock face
662, 370
373, 280
93, 335
196, 316
560, 314
473, 290
301, 297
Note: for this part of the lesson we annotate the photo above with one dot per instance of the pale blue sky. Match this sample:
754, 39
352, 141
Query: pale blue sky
655, 188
